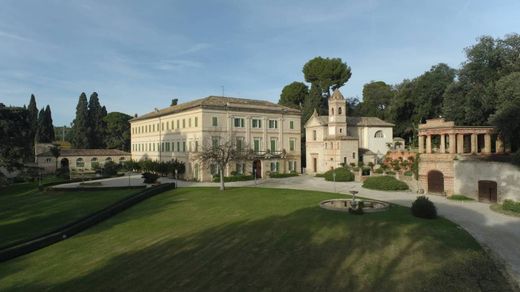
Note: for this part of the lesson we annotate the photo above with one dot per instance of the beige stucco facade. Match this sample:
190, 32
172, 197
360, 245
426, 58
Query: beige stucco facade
335, 139
179, 132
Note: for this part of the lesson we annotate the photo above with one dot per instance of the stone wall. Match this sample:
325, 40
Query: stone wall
469, 172
438, 162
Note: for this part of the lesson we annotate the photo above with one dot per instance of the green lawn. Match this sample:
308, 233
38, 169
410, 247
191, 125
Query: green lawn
26, 212
248, 239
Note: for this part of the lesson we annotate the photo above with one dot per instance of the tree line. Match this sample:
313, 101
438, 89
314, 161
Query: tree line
485, 90
94, 128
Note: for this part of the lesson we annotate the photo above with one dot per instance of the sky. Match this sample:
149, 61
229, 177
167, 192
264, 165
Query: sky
138, 55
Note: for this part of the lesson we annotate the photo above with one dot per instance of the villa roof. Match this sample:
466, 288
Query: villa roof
359, 121
88, 152
221, 102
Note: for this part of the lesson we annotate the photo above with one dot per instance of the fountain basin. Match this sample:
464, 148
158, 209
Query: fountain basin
343, 205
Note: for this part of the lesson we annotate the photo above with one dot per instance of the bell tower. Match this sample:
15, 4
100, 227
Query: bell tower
337, 115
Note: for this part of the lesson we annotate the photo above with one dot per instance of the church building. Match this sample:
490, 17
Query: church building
338, 139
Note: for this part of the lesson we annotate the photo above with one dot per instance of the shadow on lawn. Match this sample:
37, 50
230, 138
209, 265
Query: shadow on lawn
308, 250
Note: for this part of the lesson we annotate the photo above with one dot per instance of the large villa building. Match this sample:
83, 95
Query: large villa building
337, 139
180, 131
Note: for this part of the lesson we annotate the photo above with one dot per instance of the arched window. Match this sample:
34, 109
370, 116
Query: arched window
80, 162
379, 134
94, 162
332, 111
108, 159
339, 111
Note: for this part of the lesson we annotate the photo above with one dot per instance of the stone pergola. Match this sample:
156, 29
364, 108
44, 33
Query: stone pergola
458, 139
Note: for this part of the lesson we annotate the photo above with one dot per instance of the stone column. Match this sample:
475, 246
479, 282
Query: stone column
429, 144
499, 145
453, 144
460, 143
421, 144
443, 143
487, 143
474, 143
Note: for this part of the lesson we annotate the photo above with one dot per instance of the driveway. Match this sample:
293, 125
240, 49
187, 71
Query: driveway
496, 232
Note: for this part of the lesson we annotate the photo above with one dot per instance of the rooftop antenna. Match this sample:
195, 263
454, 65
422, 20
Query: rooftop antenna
223, 90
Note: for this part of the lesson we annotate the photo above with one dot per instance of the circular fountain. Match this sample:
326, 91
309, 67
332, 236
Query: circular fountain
347, 205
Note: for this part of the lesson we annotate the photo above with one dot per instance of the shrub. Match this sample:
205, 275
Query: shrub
511, 205
422, 207
379, 171
233, 178
515, 158
150, 178
319, 175
342, 174
390, 172
365, 171
63, 172
385, 183
459, 198
408, 173
282, 175
110, 168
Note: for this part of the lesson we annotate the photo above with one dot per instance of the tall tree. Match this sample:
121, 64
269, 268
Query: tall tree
95, 122
377, 96
402, 110
311, 103
118, 131
507, 117
33, 115
81, 124
49, 127
15, 137
294, 94
326, 74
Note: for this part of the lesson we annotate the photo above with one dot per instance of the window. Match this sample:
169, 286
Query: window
153, 147
108, 159
291, 125
196, 146
94, 162
167, 147
213, 168
292, 143
80, 163
353, 155
273, 124
178, 124
275, 166
189, 146
314, 135
292, 165
256, 144
215, 141
183, 146
214, 121
162, 147
332, 111
183, 123
172, 124
239, 122
341, 130
256, 123
167, 126
273, 144
339, 111
162, 126
189, 123
240, 168
178, 146
121, 160
48, 160
379, 134
240, 143
196, 122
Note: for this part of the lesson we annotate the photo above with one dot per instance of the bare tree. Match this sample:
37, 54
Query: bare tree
222, 153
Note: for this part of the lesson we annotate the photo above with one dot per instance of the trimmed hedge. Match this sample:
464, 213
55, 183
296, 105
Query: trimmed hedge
342, 174
384, 183
511, 205
234, 178
282, 175
422, 207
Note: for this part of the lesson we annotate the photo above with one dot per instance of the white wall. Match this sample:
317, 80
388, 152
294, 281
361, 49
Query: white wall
469, 172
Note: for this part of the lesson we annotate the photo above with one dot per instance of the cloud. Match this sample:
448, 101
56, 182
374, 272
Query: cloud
4, 34
175, 65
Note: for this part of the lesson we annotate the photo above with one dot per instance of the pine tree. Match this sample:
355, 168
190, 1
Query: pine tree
95, 120
80, 124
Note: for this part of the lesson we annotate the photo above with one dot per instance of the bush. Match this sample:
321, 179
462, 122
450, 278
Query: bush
282, 175
408, 173
233, 178
511, 205
150, 178
110, 168
459, 198
515, 158
63, 172
379, 171
385, 183
342, 174
319, 175
422, 207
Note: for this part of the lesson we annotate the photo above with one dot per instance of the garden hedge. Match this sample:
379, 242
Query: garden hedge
342, 174
384, 183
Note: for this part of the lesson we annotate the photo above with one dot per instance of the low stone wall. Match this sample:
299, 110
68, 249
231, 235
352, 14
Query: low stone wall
469, 172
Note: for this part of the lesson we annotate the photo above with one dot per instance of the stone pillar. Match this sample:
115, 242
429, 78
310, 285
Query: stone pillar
421, 144
474, 143
453, 144
443, 143
429, 144
487, 143
460, 143
499, 145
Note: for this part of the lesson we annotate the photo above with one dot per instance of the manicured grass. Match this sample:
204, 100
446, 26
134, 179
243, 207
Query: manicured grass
26, 212
384, 183
460, 198
249, 239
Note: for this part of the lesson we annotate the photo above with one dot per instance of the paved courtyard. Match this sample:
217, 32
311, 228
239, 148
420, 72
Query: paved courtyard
499, 233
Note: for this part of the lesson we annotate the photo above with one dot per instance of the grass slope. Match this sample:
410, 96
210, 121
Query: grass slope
26, 212
248, 239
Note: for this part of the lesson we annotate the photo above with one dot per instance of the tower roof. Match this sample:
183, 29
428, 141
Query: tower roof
337, 95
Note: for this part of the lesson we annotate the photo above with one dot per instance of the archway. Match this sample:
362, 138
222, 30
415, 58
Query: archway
487, 191
257, 168
64, 163
435, 182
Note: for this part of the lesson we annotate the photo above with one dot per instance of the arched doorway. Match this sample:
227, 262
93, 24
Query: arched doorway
257, 168
435, 182
64, 163
487, 191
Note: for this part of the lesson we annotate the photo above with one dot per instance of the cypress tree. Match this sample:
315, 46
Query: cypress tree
95, 120
33, 116
49, 128
40, 132
80, 124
